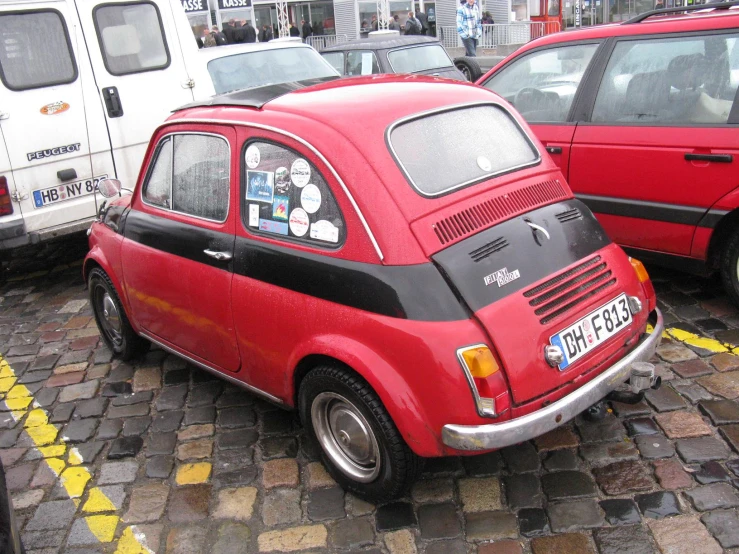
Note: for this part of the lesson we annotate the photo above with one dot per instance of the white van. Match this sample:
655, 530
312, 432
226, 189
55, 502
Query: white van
83, 83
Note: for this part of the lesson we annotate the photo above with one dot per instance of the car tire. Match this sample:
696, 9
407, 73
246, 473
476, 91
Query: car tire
469, 68
360, 445
111, 318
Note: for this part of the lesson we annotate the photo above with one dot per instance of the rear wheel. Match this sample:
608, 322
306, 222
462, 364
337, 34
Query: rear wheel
112, 322
730, 267
469, 68
360, 445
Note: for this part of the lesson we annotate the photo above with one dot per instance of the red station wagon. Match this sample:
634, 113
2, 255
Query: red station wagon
643, 120
415, 285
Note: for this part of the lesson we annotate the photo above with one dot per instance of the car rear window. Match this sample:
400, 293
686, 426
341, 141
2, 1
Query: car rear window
419, 58
444, 151
267, 67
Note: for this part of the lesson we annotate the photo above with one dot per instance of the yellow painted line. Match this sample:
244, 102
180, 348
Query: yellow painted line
698, 341
73, 476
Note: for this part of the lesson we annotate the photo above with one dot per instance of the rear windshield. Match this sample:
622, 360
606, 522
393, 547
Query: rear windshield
419, 58
267, 67
444, 151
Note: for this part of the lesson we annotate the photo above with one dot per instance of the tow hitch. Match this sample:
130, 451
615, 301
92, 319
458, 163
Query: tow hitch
641, 379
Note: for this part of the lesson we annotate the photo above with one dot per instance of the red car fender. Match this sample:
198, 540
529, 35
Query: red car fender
393, 390
704, 237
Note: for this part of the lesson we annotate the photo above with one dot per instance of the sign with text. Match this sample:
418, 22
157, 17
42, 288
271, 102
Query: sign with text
194, 6
228, 4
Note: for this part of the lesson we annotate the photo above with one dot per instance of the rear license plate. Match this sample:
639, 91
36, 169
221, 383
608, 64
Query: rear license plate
585, 335
67, 191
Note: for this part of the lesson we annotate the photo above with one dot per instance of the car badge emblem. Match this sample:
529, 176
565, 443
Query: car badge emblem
502, 277
539, 228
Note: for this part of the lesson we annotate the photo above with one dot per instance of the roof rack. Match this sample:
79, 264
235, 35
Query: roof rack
717, 6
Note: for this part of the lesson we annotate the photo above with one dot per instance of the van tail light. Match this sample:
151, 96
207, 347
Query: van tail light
486, 379
646, 283
6, 204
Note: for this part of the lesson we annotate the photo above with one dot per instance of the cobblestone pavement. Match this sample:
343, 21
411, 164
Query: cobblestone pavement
104, 456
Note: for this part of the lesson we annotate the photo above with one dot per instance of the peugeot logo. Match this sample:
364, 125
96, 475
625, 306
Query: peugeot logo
535, 228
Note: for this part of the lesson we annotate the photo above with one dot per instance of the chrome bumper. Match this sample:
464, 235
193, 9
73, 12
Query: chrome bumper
499, 435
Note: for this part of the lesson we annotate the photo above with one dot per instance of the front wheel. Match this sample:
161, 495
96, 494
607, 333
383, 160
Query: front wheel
469, 68
360, 445
730, 267
111, 319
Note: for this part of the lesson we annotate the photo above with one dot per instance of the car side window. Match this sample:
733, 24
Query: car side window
687, 80
191, 175
283, 195
542, 85
158, 187
336, 59
361, 62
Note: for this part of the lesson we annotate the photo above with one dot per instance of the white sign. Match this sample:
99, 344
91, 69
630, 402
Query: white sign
324, 230
299, 222
192, 6
254, 215
310, 199
367, 59
300, 173
252, 157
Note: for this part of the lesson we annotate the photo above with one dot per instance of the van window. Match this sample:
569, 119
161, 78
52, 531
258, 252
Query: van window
131, 37
687, 80
35, 50
444, 151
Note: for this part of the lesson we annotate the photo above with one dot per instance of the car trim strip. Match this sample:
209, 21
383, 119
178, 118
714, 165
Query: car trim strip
416, 292
304, 143
213, 370
656, 211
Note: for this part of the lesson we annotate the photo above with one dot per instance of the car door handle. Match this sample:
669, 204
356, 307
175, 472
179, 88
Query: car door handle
112, 102
554, 149
720, 158
220, 256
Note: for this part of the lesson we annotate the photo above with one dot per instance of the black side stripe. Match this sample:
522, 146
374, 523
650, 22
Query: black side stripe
656, 211
416, 292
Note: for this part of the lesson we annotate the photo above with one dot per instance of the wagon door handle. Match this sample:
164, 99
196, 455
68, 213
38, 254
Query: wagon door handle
719, 158
220, 256
554, 149
112, 102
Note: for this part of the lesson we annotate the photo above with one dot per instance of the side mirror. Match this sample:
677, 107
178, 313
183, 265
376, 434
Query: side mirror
110, 187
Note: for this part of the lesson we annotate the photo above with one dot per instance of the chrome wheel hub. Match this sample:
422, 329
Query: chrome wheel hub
346, 436
111, 319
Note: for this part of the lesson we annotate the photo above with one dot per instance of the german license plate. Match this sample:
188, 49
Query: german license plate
67, 191
585, 335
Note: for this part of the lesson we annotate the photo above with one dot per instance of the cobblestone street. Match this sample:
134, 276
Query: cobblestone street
157, 456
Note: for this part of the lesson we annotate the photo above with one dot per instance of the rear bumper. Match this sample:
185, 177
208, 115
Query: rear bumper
499, 435
14, 234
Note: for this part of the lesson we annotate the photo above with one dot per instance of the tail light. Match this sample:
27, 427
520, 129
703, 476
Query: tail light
6, 204
646, 282
486, 380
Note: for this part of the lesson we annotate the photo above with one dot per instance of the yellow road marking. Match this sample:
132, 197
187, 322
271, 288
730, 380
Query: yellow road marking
73, 477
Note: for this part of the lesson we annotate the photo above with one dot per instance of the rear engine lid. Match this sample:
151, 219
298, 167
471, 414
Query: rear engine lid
533, 276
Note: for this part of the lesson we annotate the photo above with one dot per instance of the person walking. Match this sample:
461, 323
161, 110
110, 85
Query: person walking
250, 34
306, 30
412, 25
469, 26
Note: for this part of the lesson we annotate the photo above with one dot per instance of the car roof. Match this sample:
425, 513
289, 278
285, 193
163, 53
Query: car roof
708, 17
234, 49
379, 43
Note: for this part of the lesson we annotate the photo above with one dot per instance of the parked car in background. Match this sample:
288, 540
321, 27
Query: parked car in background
412, 293
642, 119
392, 53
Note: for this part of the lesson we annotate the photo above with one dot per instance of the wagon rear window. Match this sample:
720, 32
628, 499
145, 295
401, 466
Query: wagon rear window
448, 150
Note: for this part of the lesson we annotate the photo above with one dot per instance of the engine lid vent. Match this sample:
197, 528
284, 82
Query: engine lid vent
569, 215
490, 248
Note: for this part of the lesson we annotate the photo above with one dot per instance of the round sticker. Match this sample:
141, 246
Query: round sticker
484, 163
299, 222
310, 199
252, 157
282, 181
300, 173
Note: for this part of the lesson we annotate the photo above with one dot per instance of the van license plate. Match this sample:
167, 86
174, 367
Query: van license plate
585, 335
67, 191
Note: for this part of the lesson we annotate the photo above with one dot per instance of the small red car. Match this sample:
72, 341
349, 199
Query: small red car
643, 120
415, 278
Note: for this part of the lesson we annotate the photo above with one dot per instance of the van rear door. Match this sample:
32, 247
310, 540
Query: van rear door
140, 72
43, 121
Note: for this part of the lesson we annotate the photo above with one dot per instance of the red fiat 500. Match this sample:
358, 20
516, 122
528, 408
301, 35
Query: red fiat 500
412, 274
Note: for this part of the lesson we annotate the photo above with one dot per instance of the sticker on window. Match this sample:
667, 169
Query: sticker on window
273, 226
300, 173
253, 215
280, 207
310, 199
252, 157
299, 222
367, 59
260, 186
324, 230
282, 181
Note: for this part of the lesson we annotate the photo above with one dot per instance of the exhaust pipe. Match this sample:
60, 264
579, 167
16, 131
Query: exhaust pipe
642, 378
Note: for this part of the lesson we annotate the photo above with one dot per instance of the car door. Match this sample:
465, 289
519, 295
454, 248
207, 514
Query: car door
658, 149
49, 122
140, 71
542, 85
177, 256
